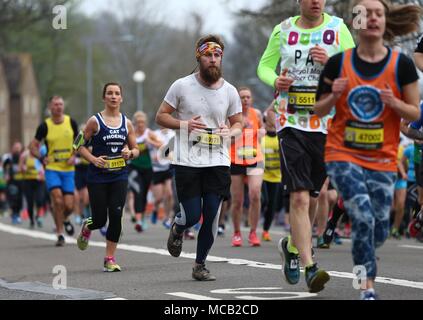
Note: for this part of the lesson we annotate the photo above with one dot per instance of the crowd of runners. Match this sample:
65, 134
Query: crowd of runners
336, 153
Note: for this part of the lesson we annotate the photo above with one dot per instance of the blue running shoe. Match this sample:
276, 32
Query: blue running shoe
316, 278
291, 268
368, 294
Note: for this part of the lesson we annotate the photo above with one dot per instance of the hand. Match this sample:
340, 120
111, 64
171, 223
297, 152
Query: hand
126, 153
100, 162
71, 161
224, 131
283, 83
339, 86
196, 124
388, 97
319, 54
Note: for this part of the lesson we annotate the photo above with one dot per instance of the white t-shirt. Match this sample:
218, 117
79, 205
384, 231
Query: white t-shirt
190, 99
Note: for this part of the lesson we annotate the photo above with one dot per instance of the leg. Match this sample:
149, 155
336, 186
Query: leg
237, 193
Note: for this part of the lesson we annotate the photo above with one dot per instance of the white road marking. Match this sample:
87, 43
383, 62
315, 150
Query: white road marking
190, 296
163, 252
411, 247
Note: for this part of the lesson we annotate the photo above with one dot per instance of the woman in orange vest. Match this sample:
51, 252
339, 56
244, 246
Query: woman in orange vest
247, 169
372, 87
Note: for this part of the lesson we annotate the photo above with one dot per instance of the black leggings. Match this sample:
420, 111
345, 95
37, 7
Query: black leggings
271, 192
210, 205
34, 194
108, 198
139, 183
14, 196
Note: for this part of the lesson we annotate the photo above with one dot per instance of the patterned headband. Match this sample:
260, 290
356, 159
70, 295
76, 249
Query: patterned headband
208, 47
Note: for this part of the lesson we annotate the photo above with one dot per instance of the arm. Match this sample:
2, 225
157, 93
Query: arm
403, 167
165, 119
268, 64
418, 58
328, 100
408, 108
131, 151
262, 130
90, 129
40, 135
154, 140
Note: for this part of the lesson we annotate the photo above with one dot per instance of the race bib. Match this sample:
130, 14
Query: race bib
207, 139
247, 153
364, 136
301, 97
61, 155
115, 163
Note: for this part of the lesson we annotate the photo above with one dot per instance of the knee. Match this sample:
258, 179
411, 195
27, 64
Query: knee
300, 201
254, 195
237, 204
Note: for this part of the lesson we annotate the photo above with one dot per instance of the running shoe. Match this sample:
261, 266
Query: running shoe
221, 231
368, 294
60, 241
416, 225
138, 227
84, 236
321, 244
316, 278
266, 236
253, 240
144, 224
39, 221
237, 240
201, 273
16, 220
337, 238
291, 268
78, 220
174, 242
110, 265
167, 223
329, 233
69, 228
395, 234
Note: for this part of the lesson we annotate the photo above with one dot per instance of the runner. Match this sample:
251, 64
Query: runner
418, 54
272, 173
160, 156
13, 179
113, 142
247, 170
58, 132
303, 44
362, 144
203, 102
32, 186
141, 171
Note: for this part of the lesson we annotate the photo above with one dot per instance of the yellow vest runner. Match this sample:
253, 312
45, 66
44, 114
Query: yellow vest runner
59, 141
272, 164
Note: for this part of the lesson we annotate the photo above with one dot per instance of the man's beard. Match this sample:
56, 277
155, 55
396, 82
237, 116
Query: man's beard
211, 74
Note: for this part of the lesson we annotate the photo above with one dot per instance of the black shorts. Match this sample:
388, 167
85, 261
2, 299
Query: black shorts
237, 170
161, 176
196, 182
81, 177
302, 160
